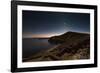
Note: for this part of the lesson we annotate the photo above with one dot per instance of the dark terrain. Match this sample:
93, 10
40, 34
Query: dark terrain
69, 46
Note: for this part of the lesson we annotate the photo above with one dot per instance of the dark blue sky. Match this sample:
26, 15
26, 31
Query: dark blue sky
46, 24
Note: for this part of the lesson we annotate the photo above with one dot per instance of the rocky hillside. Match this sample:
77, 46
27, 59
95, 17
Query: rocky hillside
70, 46
69, 38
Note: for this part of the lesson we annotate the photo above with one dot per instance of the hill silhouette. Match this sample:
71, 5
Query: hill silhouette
69, 37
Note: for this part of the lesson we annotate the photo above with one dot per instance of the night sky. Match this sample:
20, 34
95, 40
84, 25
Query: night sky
47, 24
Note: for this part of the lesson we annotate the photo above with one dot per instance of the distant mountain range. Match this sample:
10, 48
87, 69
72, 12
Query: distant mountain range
69, 46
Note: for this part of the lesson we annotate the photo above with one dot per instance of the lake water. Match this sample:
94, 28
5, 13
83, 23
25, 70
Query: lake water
32, 46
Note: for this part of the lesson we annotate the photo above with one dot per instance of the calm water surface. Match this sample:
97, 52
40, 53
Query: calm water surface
32, 46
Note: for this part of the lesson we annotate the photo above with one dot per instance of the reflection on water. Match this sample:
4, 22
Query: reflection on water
32, 46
